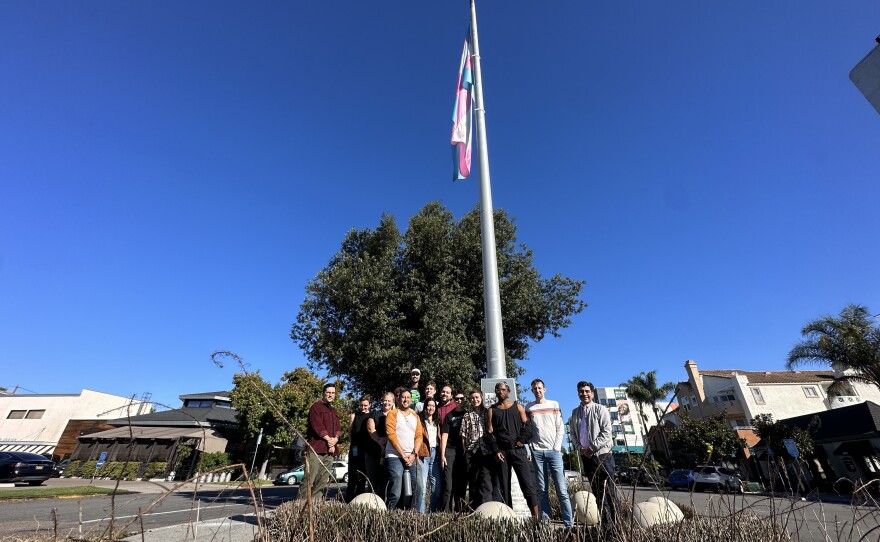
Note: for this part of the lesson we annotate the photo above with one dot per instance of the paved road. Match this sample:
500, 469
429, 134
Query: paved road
179, 507
805, 520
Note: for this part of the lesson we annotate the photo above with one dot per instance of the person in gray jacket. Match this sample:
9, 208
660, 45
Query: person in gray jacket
590, 429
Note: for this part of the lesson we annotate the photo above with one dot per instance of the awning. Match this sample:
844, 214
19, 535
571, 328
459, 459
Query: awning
149, 432
26, 446
857, 447
628, 449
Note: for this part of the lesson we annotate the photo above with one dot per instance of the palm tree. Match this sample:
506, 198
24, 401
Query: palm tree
643, 389
849, 343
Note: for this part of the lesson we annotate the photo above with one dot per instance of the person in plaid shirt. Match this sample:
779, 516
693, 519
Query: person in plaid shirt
473, 434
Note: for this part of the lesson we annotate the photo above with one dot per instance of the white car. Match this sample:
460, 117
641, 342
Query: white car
717, 479
340, 471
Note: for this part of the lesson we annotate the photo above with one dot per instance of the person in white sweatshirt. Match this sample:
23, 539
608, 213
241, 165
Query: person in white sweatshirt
547, 432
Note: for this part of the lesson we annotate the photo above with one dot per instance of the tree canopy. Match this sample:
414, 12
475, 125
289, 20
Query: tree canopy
388, 301
849, 343
710, 439
773, 434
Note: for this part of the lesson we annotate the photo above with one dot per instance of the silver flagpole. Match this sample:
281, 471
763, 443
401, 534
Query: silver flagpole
495, 361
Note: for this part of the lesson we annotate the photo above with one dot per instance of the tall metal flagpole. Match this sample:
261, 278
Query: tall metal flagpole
495, 361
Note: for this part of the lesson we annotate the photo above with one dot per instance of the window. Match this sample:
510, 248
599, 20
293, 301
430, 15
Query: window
616, 429
612, 402
614, 416
810, 391
16, 414
603, 401
684, 400
759, 397
620, 442
694, 400
34, 414
628, 427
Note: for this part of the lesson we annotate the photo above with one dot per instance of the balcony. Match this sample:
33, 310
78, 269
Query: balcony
733, 408
842, 401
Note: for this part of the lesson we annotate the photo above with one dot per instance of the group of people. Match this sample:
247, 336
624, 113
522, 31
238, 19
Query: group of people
436, 453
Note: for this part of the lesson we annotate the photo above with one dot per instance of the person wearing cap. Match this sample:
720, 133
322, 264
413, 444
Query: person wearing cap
414, 377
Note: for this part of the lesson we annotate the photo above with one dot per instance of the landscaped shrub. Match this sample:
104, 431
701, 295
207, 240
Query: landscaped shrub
72, 469
154, 468
208, 461
87, 469
119, 470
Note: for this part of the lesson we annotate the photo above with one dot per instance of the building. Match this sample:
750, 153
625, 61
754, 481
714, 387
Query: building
38, 422
628, 430
742, 395
205, 423
847, 446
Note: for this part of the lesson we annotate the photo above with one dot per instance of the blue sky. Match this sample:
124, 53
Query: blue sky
173, 173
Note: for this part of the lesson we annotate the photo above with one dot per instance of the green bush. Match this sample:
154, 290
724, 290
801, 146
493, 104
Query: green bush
154, 468
87, 469
119, 470
208, 461
72, 469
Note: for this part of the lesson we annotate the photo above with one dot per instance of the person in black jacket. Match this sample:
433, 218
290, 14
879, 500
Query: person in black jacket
357, 454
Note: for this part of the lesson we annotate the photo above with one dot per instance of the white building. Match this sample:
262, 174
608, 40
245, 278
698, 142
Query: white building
627, 429
742, 395
35, 422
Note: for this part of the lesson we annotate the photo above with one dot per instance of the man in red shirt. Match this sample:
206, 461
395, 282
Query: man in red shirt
323, 430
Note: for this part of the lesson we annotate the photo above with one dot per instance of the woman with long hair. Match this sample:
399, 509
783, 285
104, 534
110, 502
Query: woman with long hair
431, 470
376, 453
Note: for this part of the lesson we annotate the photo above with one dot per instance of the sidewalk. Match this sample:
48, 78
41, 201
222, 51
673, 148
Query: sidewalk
241, 528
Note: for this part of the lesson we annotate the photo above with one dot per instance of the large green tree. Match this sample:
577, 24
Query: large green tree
849, 343
708, 440
389, 301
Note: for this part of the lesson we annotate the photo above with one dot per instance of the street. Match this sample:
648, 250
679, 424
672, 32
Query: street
179, 507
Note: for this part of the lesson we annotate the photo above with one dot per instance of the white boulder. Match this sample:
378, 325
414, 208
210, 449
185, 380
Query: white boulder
669, 511
586, 510
370, 500
495, 510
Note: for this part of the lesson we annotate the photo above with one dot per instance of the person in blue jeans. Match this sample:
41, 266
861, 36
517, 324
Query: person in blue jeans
404, 432
432, 473
547, 432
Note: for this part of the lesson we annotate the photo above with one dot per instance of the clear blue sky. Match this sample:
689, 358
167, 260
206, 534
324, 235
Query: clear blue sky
173, 173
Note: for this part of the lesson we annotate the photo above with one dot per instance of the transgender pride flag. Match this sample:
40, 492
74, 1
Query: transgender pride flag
463, 117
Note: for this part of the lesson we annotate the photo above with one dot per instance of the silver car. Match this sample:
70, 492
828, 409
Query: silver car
716, 479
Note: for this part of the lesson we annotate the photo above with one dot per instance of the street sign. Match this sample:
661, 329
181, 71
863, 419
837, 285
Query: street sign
101, 459
791, 447
487, 386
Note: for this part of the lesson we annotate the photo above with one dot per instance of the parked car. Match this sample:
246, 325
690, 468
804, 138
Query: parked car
681, 479
340, 471
640, 477
58, 469
291, 477
717, 479
573, 476
24, 467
